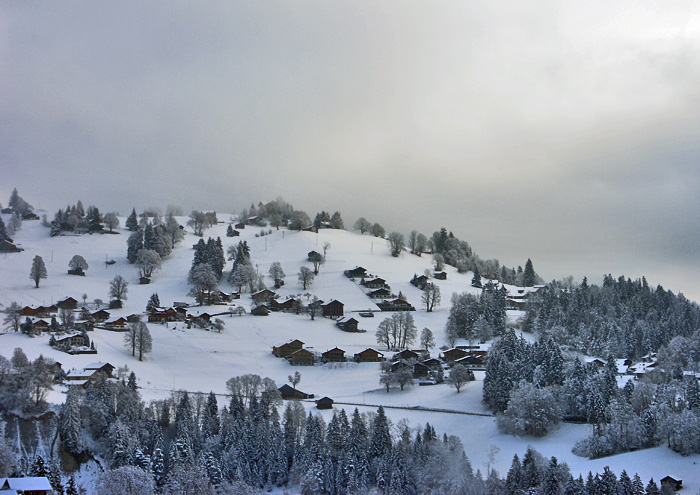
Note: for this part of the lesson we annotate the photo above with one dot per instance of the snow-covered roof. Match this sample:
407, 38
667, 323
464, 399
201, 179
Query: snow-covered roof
34, 483
96, 366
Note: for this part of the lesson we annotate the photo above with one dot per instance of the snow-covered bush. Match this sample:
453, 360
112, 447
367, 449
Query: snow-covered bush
531, 411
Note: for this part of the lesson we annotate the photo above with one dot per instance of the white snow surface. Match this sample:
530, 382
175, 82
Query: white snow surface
201, 361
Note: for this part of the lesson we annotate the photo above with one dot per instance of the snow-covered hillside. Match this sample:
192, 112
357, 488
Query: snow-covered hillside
199, 360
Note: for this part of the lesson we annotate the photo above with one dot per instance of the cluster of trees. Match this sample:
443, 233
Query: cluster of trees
243, 274
364, 225
19, 205
75, 218
513, 360
152, 240
477, 317
138, 339
199, 221
324, 220
397, 332
207, 269
624, 318
536, 474
24, 384
187, 444
189, 441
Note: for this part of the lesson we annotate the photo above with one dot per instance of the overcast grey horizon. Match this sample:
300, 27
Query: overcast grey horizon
559, 132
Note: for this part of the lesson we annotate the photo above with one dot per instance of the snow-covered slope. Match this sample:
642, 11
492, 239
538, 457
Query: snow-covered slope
199, 360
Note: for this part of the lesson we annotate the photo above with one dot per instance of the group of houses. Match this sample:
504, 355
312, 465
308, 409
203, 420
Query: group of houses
423, 365
294, 352
377, 288
420, 281
265, 301
648, 364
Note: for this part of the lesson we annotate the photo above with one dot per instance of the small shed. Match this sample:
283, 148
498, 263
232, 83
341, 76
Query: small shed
349, 325
289, 393
357, 272
674, 484
324, 403
261, 310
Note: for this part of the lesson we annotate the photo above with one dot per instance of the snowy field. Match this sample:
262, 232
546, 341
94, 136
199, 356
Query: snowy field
201, 361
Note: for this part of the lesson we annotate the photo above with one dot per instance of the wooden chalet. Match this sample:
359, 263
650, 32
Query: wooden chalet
33, 485
335, 355
406, 354
395, 305
302, 357
84, 325
674, 484
165, 316
41, 325
260, 310
221, 297
369, 355
432, 363
100, 316
399, 365
357, 272
375, 283
420, 370
118, 324
287, 305
286, 349
67, 303
471, 360
333, 309
144, 280
313, 256
75, 340
419, 281
382, 293
8, 247
263, 296
104, 368
29, 311
289, 393
324, 403
349, 325
312, 228
440, 276
454, 354
235, 233
240, 225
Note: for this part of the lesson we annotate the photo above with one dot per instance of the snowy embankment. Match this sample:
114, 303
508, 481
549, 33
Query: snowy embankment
201, 361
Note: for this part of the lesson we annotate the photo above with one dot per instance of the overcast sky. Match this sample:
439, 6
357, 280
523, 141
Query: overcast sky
566, 132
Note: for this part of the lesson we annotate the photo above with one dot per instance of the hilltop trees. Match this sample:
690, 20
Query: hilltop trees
199, 221
38, 270
377, 230
362, 224
529, 275
396, 243
111, 221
